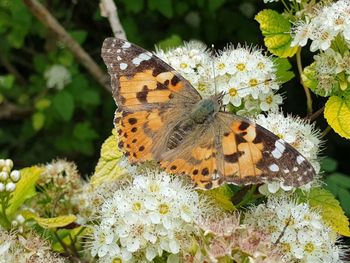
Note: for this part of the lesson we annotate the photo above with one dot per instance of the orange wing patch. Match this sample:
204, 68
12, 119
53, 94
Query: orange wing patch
240, 153
147, 87
132, 136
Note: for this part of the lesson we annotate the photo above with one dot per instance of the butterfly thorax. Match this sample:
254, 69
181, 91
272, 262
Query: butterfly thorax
203, 110
201, 113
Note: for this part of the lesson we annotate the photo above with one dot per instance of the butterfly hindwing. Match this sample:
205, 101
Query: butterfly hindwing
252, 154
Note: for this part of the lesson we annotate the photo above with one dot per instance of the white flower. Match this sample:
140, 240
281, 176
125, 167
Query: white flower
242, 74
270, 101
57, 76
151, 215
323, 26
299, 230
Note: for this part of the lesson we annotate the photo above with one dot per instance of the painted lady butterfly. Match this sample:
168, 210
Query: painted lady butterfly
161, 117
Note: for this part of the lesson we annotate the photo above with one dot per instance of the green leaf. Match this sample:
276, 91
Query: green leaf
38, 120
339, 179
7, 81
283, 71
344, 198
329, 165
42, 104
165, 7
275, 28
337, 114
222, 196
83, 131
90, 97
331, 211
107, 167
134, 6
63, 103
214, 5
79, 35
170, 42
25, 188
54, 222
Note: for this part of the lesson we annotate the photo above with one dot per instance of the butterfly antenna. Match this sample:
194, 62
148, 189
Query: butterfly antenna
213, 65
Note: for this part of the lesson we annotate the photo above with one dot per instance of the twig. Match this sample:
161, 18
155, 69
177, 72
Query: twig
316, 114
82, 56
12, 70
109, 10
326, 131
307, 91
10, 110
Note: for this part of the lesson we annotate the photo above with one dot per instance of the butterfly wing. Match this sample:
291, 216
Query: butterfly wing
250, 154
151, 97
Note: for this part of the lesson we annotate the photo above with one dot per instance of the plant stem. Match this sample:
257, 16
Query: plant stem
4, 203
326, 131
307, 91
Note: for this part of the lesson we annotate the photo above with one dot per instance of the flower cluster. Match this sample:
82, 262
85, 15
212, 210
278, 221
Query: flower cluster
31, 249
245, 76
147, 217
323, 26
59, 183
297, 230
8, 178
57, 76
332, 71
300, 134
225, 237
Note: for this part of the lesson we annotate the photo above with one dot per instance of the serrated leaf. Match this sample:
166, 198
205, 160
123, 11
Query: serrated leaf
283, 71
331, 211
38, 120
25, 188
337, 114
107, 168
222, 196
275, 29
63, 103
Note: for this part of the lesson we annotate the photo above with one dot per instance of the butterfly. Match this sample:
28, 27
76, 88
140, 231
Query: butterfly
161, 117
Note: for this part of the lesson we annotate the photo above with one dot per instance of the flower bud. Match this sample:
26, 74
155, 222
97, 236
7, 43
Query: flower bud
2, 187
3, 176
14, 223
15, 176
20, 219
2, 162
9, 163
10, 187
6, 169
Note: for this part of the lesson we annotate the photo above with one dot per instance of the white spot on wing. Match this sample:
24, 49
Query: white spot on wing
126, 45
119, 58
123, 66
142, 57
295, 169
286, 171
300, 159
274, 168
276, 153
